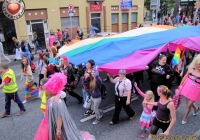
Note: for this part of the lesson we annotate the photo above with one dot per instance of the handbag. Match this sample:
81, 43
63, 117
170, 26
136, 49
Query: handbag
177, 99
87, 104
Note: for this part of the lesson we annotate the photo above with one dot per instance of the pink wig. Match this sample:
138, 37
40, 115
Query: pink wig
56, 83
66, 60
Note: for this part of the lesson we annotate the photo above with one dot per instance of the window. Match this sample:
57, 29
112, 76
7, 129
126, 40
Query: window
124, 17
114, 18
28, 26
96, 21
96, 15
65, 22
134, 17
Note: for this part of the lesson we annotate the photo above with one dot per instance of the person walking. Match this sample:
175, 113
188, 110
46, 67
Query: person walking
9, 88
17, 49
2, 53
58, 123
67, 69
36, 41
189, 87
165, 115
123, 88
31, 91
95, 86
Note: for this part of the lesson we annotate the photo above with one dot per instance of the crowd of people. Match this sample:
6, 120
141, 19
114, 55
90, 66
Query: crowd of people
57, 77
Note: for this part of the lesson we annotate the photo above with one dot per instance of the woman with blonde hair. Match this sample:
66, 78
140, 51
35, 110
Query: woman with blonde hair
189, 87
95, 86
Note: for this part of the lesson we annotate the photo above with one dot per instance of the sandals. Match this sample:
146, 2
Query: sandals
194, 114
143, 135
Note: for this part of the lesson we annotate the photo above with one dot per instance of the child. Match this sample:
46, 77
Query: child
44, 98
146, 117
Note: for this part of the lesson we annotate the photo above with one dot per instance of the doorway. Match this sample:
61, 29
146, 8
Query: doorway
39, 29
96, 21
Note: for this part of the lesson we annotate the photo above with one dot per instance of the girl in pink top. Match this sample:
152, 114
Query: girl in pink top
146, 117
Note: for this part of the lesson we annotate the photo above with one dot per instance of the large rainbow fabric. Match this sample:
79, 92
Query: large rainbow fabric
132, 52
177, 55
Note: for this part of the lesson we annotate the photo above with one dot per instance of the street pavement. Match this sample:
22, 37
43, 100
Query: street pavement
24, 127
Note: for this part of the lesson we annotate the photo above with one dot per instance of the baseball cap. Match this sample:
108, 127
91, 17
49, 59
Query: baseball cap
122, 71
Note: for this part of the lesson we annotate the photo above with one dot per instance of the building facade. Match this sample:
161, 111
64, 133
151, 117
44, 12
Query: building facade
41, 16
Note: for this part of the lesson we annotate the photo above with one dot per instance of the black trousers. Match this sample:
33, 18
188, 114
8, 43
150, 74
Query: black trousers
118, 106
178, 77
41, 76
73, 94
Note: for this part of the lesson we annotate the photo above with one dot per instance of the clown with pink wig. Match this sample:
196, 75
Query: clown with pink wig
59, 124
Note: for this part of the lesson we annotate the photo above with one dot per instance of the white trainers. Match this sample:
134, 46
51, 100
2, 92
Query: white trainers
184, 122
96, 122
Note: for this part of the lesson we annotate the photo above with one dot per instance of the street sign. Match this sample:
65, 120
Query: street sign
71, 10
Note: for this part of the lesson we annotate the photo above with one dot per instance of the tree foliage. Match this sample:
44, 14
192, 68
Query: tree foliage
170, 3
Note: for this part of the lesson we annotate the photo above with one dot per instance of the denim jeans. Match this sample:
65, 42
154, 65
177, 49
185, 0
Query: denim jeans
16, 99
85, 94
37, 46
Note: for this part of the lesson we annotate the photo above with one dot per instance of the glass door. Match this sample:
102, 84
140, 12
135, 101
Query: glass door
96, 21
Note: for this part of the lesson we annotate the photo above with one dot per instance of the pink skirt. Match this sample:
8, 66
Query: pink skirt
191, 90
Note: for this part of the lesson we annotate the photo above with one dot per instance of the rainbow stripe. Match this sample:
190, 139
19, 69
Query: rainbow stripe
177, 55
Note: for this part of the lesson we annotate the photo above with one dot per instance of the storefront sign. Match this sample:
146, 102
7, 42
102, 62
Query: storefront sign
13, 9
96, 7
125, 4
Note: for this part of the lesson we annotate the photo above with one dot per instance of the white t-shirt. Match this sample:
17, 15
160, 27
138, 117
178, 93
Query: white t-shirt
123, 87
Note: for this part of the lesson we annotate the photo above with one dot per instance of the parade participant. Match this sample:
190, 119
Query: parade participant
26, 48
165, 115
60, 124
30, 89
86, 82
123, 88
67, 69
189, 87
9, 88
40, 66
95, 86
54, 49
146, 117
160, 75
50, 67
2, 53
36, 41
17, 49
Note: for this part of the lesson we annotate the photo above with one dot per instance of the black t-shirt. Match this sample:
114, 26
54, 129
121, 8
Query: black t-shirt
68, 71
158, 73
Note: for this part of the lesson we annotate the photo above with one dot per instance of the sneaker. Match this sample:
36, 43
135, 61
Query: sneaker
5, 115
96, 122
195, 113
20, 113
24, 102
131, 118
87, 113
93, 113
111, 122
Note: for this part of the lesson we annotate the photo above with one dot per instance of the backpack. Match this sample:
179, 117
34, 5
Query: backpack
32, 66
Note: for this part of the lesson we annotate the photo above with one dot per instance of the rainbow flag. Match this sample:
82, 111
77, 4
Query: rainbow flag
177, 56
